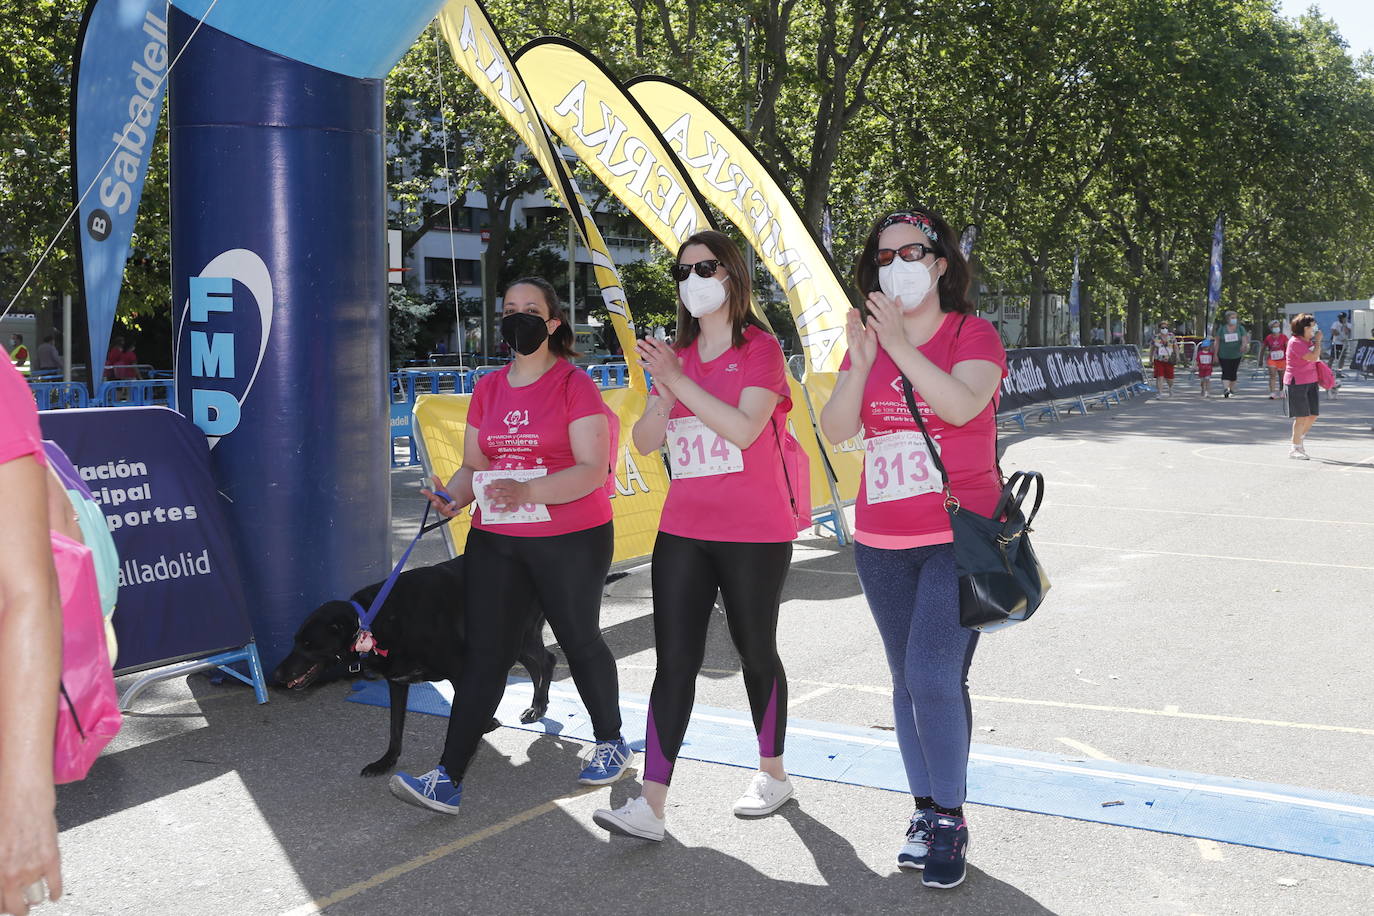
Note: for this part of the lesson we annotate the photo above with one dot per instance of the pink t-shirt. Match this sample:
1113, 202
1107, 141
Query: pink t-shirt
969, 452
1275, 343
19, 434
527, 427
750, 505
1299, 371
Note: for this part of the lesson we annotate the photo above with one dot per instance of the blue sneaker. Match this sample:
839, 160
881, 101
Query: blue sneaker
434, 790
608, 763
948, 847
917, 846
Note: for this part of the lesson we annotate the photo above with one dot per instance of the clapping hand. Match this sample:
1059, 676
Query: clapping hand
660, 360
863, 342
885, 320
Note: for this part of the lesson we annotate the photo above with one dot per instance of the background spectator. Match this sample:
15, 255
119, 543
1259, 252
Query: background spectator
1233, 340
1164, 353
19, 354
1275, 357
1340, 336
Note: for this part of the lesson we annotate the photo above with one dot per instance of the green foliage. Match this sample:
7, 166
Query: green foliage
1116, 128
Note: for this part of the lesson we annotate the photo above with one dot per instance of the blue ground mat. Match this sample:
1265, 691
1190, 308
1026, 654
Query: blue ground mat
1284, 818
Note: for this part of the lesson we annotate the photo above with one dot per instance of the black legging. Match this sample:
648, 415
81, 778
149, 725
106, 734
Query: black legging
503, 573
687, 573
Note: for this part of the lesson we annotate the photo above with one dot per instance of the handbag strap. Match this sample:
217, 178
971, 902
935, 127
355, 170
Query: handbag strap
1016, 491
782, 458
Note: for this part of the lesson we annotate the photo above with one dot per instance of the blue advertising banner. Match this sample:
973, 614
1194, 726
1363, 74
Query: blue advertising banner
1214, 275
119, 84
179, 585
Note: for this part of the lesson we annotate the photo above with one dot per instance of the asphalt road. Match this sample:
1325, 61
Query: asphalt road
1202, 581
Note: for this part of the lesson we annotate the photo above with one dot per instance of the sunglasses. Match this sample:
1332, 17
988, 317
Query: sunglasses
913, 252
705, 269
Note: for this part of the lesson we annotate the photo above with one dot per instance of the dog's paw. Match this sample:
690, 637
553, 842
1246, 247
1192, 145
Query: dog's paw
533, 714
379, 767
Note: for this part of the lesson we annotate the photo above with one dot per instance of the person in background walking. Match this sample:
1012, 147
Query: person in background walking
1233, 340
47, 359
1164, 353
1276, 357
921, 328
1340, 336
19, 354
114, 358
1304, 349
1206, 358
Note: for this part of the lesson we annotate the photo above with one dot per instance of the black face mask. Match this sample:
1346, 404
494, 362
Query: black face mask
524, 332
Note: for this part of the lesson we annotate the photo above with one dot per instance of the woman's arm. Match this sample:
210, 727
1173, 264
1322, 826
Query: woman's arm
31, 617
841, 417
460, 484
652, 426
956, 396
590, 438
740, 424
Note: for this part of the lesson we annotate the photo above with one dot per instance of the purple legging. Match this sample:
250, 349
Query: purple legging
687, 574
914, 597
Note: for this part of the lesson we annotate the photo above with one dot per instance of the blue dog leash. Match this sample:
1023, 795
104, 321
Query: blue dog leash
364, 642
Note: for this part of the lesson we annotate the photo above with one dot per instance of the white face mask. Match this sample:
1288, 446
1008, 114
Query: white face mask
1274, 331
701, 295
908, 281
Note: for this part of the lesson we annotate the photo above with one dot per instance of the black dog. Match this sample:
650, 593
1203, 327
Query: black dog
420, 628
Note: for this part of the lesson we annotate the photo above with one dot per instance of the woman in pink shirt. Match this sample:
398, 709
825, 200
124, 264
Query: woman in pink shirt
31, 626
535, 458
1304, 349
920, 327
719, 403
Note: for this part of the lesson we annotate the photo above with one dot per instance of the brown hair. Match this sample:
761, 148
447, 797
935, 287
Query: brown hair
1300, 322
561, 340
953, 284
738, 289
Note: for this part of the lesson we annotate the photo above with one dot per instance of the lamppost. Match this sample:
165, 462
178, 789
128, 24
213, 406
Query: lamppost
486, 350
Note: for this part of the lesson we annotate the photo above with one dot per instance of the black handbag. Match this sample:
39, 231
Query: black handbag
1000, 580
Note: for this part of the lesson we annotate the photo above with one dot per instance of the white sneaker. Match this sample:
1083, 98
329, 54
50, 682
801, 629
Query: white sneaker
635, 818
1297, 451
764, 796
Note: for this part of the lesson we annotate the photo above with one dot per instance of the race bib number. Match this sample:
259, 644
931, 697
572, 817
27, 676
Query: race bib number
695, 450
1276, 354
1163, 352
530, 512
1230, 338
1205, 359
898, 466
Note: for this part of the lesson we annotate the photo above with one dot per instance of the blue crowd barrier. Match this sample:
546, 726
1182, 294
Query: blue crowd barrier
59, 395
159, 392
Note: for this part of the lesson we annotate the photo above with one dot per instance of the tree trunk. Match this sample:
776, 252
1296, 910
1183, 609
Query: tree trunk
1085, 305
1035, 315
1132, 329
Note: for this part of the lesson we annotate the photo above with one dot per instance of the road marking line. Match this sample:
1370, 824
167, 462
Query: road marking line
1171, 712
794, 702
321, 903
828, 572
1210, 850
1175, 714
1182, 785
1126, 551
1085, 750
1258, 518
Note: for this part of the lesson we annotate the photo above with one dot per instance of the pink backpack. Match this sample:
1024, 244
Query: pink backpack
88, 715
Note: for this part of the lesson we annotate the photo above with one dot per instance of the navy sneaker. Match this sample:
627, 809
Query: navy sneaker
434, 790
913, 854
948, 847
608, 763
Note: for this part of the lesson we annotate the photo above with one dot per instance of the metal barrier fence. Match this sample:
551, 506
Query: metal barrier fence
120, 393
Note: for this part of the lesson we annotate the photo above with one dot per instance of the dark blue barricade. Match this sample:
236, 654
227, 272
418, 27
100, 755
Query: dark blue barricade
180, 589
59, 395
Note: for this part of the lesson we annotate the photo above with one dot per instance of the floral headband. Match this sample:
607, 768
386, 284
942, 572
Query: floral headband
919, 220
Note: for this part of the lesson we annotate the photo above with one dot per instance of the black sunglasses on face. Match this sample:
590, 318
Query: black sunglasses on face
704, 269
913, 252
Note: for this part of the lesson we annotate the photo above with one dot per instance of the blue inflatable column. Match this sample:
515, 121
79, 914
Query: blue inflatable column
279, 292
